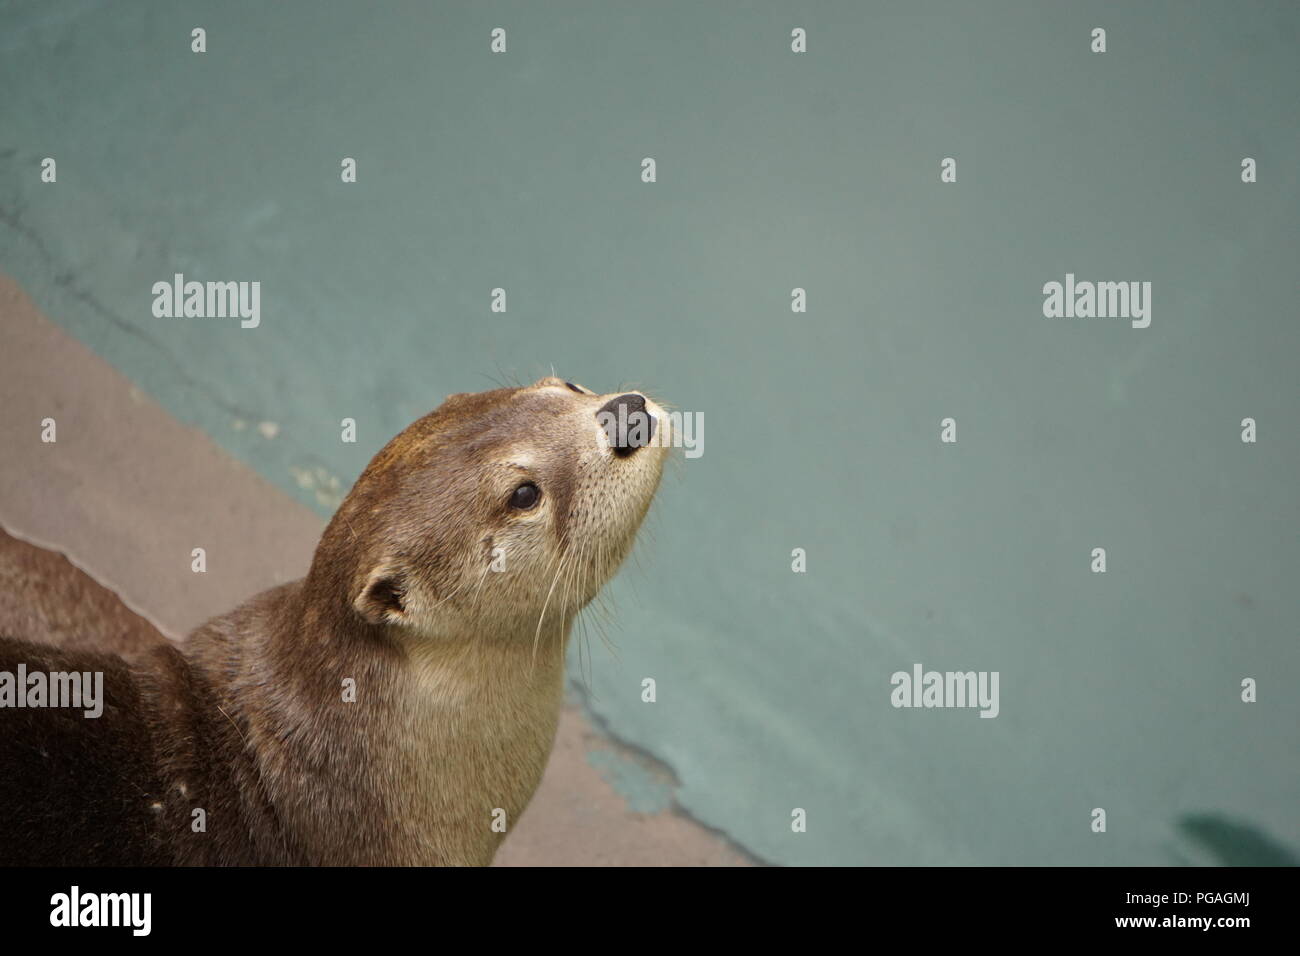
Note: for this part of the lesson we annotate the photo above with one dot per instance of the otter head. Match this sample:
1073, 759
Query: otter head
498, 511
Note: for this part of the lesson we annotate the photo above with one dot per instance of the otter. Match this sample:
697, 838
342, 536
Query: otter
396, 706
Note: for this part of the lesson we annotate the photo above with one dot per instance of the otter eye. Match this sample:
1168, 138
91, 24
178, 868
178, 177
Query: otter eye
526, 496
575, 388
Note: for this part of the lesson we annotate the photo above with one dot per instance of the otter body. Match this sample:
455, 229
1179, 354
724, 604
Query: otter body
396, 706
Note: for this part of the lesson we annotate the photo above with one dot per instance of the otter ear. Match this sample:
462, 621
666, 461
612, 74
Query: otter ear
383, 598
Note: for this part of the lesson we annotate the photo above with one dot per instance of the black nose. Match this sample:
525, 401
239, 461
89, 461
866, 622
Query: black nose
627, 423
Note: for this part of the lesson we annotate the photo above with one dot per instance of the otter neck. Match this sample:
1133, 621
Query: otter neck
474, 723
446, 737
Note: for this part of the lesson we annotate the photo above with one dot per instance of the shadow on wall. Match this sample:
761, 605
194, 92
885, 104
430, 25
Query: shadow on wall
1232, 844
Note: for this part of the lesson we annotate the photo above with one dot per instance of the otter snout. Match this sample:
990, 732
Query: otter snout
627, 423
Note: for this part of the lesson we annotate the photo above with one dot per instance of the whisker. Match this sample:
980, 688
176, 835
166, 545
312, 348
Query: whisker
542, 616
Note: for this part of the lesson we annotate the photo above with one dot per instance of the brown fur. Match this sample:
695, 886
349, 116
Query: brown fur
458, 669
44, 593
